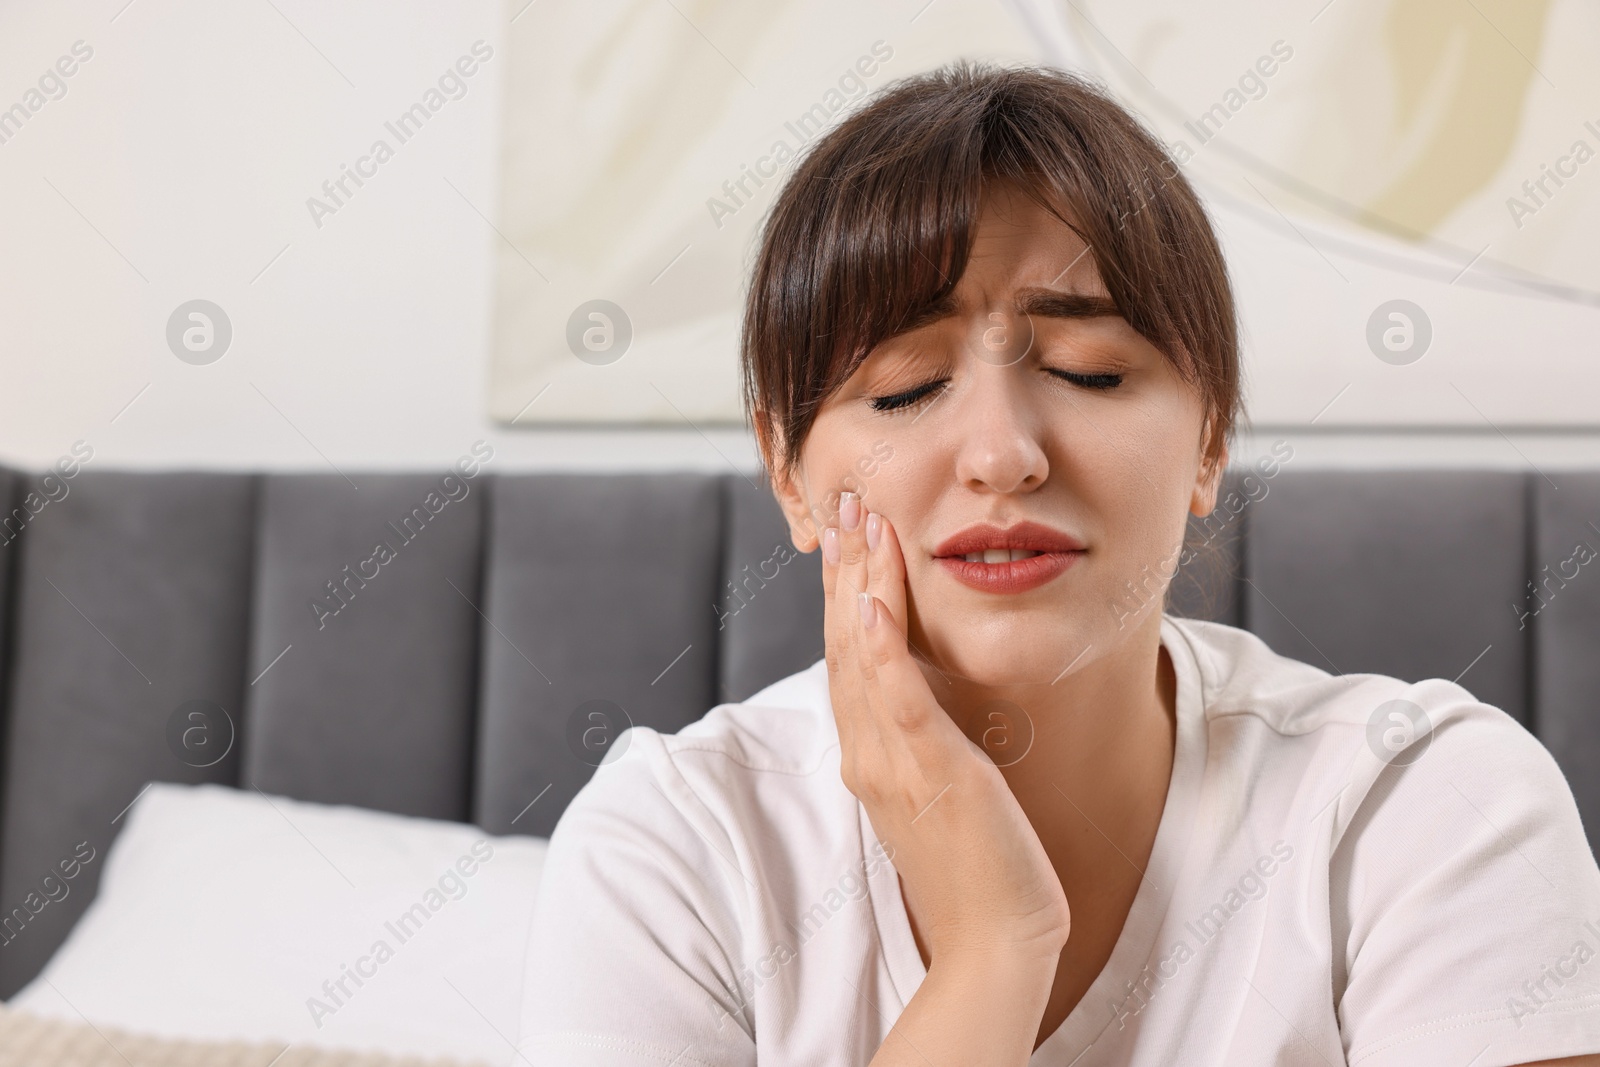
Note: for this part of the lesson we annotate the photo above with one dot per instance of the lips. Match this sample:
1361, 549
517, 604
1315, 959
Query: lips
1010, 560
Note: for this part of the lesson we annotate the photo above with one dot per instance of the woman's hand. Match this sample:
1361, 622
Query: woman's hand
979, 883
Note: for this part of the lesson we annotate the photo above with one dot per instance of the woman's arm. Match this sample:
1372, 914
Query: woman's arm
971, 1010
978, 881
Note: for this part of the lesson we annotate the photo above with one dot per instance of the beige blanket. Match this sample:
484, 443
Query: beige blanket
32, 1041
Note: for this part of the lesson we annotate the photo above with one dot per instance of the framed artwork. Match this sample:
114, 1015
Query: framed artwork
1405, 224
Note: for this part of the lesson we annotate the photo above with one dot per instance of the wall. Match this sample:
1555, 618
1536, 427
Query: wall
177, 166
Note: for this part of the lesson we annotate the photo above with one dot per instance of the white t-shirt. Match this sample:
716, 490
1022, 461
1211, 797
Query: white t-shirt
717, 896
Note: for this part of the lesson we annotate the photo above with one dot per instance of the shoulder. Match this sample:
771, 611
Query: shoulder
663, 871
1240, 676
1358, 732
741, 764
786, 728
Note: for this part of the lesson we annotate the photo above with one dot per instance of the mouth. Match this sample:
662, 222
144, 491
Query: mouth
1014, 559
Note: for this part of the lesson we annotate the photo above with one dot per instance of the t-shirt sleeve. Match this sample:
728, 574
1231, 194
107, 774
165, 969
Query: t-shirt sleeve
631, 955
1465, 905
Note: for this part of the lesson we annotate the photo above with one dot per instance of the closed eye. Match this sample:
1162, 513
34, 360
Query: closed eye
907, 398
894, 401
1089, 381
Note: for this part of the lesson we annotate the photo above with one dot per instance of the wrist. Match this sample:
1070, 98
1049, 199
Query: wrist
1003, 963
980, 1004
1000, 948
998, 995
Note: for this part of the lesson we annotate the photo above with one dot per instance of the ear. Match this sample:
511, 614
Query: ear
1208, 480
789, 490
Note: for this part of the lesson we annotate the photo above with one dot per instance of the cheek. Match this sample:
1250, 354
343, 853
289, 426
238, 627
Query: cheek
841, 456
907, 489
1135, 471
900, 492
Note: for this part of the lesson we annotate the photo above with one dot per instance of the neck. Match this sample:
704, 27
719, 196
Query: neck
1092, 781
1100, 737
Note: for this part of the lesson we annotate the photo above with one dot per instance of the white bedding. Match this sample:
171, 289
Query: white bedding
230, 915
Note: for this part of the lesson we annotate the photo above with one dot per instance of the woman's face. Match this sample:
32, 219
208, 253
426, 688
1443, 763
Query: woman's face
1030, 401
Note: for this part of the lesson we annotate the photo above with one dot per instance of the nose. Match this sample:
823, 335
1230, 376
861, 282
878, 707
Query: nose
1000, 449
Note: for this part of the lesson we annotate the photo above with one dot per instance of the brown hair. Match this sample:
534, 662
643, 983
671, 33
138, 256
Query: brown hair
877, 221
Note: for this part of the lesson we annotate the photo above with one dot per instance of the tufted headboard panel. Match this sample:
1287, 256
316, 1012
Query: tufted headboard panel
456, 649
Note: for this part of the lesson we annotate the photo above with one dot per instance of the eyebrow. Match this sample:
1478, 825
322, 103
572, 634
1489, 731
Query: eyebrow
1055, 304
1032, 301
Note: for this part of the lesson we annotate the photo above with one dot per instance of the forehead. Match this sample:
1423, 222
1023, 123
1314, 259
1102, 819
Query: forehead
1026, 259
1019, 242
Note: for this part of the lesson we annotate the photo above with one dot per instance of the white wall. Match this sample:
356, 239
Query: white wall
177, 166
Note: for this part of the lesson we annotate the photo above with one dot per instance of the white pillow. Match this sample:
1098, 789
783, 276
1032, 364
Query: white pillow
227, 914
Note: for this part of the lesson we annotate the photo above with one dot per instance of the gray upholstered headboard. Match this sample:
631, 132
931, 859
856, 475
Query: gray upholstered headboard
452, 675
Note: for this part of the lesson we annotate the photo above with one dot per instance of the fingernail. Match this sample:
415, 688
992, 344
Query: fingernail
849, 511
869, 610
874, 529
830, 546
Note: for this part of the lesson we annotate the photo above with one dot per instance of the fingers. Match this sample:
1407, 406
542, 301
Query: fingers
844, 576
852, 576
914, 743
841, 630
853, 586
866, 563
872, 673
886, 569
891, 727
902, 703
891, 670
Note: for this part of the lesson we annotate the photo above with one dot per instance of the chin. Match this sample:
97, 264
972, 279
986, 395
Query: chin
1003, 647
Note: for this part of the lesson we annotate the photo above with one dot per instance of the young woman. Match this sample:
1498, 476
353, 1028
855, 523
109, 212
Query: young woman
1017, 814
